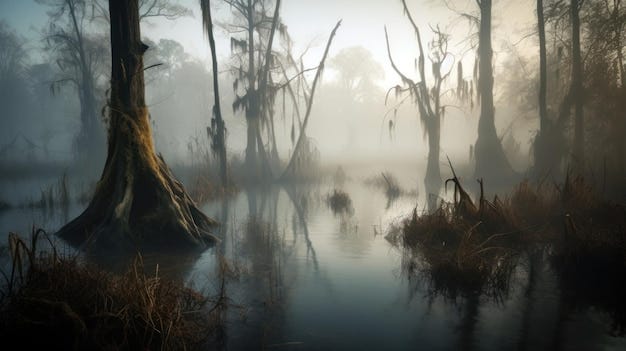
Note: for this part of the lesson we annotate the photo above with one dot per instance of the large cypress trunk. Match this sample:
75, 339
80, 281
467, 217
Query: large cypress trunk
137, 202
491, 162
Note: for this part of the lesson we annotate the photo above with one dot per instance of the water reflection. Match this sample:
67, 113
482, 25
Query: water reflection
298, 276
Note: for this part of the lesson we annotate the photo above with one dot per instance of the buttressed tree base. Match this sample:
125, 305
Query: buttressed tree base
137, 202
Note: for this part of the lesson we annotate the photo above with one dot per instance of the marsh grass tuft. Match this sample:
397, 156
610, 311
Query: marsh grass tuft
53, 301
466, 248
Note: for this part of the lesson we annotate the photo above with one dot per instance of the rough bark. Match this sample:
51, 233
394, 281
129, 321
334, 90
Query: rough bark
491, 162
137, 202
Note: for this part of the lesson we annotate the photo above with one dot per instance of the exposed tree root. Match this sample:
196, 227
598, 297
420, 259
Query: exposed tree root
138, 202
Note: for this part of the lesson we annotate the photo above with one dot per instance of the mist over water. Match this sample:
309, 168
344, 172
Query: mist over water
324, 184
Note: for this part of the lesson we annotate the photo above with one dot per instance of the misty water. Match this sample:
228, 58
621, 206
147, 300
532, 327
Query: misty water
306, 278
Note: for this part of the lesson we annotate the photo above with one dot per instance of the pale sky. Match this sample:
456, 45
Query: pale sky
363, 24
312, 20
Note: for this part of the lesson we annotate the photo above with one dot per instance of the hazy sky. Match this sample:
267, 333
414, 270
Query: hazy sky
311, 21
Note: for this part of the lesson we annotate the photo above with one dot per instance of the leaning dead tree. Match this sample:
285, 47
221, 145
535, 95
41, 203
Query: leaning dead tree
291, 170
427, 99
137, 202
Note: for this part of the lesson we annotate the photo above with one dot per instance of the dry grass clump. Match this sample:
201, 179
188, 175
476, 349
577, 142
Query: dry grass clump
575, 220
468, 248
204, 187
589, 252
60, 303
457, 255
339, 202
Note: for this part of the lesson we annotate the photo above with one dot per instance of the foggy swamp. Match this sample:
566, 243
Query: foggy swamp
299, 175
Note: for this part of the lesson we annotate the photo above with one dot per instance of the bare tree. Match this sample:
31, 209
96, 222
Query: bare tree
290, 170
358, 71
79, 57
147, 9
428, 99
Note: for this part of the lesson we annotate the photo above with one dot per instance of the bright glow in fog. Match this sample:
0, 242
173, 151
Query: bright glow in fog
179, 108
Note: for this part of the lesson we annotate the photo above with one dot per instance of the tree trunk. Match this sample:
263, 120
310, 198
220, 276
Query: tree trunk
543, 70
252, 111
618, 41
220, 133
137, 202
577, 91
541, 148
273, 158
491, 162
432, 180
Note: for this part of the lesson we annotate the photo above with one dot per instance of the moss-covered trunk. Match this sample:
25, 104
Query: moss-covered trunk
137, 202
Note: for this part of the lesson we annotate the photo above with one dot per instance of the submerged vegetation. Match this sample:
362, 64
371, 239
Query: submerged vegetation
70, 304
389, 184
339, 202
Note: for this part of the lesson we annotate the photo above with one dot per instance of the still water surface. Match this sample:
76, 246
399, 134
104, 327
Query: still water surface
306, 278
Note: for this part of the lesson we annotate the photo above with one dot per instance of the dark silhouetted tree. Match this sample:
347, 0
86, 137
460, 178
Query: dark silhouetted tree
217, 131
578, 154
541, 147
491, 161
428, 99
251, 52
137, 202
80, 57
